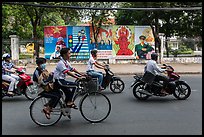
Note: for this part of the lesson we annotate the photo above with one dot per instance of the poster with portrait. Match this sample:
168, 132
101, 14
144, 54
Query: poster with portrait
54, 39
144, 42
123, 42
104, 42
79, 42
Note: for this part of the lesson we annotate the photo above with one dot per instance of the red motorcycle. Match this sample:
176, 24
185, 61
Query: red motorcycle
25, 86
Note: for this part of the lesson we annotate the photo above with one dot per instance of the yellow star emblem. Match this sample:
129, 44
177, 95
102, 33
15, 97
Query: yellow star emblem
57, 30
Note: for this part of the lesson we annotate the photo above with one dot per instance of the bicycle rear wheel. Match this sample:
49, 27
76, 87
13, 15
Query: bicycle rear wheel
95, 107
38, 116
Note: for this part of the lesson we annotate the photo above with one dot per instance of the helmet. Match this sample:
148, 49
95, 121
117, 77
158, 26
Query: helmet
6, 55
60, 39
40, 61
154, 56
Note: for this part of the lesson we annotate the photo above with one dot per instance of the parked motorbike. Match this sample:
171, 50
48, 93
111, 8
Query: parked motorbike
146, 86
109, 79
25, 86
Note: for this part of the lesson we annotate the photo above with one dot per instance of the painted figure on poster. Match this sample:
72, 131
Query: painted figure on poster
122, 41
142, 48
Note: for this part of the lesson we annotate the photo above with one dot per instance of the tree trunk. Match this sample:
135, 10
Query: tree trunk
166, 46
36, 46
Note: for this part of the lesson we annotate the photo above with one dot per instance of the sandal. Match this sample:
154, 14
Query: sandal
47, 113
72, 105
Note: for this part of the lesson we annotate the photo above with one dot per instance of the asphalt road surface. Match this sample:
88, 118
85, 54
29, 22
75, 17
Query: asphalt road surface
155, 116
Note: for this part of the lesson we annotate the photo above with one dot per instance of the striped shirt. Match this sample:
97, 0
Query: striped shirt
7, 65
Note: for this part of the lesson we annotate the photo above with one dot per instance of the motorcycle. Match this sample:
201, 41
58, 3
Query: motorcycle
25, 86
146, 86
109, 79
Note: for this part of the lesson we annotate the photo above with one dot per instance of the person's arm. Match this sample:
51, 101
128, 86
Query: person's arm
157, 68
15, 67
98, 65
70, 74
8, 70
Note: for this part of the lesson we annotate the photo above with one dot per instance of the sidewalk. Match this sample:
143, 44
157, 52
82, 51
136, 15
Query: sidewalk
129, 69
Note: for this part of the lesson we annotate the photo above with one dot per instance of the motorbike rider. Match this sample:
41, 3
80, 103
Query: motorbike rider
64, 67
153, 67
90, 68
8, 74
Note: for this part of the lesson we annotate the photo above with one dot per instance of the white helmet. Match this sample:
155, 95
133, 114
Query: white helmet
6, 55
60, 39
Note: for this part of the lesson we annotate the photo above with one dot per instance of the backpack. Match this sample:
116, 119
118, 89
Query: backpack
46, 81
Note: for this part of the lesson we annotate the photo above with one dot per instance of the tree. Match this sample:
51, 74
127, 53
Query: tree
97, 17
181, 23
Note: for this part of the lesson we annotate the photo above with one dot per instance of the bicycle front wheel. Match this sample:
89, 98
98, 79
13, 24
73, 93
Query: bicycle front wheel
38, 116
95, 107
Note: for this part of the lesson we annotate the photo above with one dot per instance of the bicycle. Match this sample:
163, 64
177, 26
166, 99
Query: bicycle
94, 107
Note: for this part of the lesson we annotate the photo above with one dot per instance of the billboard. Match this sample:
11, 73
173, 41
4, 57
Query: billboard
79, 41
54, 37
104, 42
117, 41
144, 48
123, 42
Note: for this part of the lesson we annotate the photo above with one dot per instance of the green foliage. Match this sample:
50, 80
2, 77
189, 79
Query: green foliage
182, 50
25, 56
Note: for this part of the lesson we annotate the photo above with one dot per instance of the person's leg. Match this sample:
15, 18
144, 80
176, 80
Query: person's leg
12, 83
17, 79
69, 89
165, 80
99, 75
54, 98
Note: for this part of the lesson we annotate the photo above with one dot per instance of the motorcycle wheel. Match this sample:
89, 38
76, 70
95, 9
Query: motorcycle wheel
182, 91
31, 92
137, 94
117, 86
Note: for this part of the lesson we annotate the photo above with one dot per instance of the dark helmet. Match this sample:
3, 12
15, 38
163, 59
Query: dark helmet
64, 51
93, 52
154, 56
40, 61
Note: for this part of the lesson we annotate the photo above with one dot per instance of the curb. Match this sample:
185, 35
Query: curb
141, 73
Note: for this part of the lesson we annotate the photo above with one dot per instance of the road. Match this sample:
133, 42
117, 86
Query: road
156, 116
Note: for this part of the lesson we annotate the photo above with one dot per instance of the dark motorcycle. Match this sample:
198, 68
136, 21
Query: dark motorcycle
116, 83
25, 86
146, 86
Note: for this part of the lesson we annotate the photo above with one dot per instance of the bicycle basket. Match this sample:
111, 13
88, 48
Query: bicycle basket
91, 86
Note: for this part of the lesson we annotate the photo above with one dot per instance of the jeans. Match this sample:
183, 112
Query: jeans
96, 74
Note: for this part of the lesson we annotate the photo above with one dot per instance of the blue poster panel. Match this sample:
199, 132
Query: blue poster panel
54, 40
79, 41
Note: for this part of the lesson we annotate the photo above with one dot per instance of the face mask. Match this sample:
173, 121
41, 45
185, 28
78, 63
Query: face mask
43, 66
